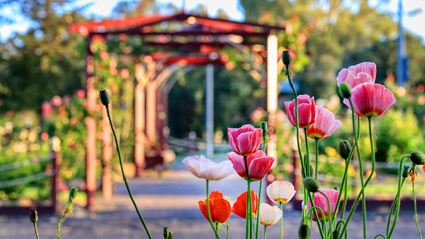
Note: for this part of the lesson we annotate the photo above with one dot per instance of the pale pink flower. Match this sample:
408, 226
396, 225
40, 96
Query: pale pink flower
281, 191
306, 111
269, 215
202, 167
258, 164
324, 125
364, 72
321, 202
245, 140
371, 100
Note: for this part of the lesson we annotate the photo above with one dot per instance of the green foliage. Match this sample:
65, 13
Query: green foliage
397, 133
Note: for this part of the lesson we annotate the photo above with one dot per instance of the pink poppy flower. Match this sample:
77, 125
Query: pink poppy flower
245, 140
324, 125
321, 202
371, 100
258, 164
306, 111
364, 72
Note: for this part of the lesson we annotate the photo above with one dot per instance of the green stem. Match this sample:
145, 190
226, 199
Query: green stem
257, 231
59, 227
356, 201
307, 156
415, 209
317, 159
322, 228
130, 194
356, 134
329, 212
36, 230
265, 232
248, 221
396, 204
227, 230
281, 221
209, 210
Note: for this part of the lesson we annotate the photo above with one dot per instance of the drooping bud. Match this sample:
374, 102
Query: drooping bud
311, 184
304, 231
104, 97
417, 158
405, 171
167, 233
286, 58
344, 149
265, 132
345, 90
72, 194
33, 215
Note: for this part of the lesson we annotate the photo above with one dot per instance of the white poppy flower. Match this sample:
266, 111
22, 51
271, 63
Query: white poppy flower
202, 167
269, 215
281, 191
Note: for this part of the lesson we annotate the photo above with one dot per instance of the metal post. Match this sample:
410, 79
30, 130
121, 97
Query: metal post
210, 110
401, 49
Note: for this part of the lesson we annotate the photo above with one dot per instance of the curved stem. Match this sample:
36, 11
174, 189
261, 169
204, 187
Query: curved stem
356, 201
396, 204
322, 228
59, 227
329, 211
209, 210
130, 194
415, 209
257, 231
36, 230
317, 159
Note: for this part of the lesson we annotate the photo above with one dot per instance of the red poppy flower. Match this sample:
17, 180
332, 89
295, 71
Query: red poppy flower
239, 207
219, 207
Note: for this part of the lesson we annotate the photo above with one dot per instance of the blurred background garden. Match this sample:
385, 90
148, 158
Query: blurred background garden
43, 91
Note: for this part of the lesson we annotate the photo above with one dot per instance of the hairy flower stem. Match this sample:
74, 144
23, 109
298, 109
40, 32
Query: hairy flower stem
35, 230
248, 216
281, 221
209, 210
316, 141
265, 232
396, 204
415, 209
307, 156
356, 201
356, 133
257, 231
130, 194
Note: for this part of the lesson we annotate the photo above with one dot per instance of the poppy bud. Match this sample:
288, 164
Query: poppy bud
345, 90
304, 231
311, 185
405, 171
417, 158
33, 215
72, 194
167, 233
344, 149
104, 97
286, 58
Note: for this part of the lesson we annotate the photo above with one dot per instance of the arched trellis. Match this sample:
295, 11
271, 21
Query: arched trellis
193, 33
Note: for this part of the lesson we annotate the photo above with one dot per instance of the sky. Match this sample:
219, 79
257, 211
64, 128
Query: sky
103, 8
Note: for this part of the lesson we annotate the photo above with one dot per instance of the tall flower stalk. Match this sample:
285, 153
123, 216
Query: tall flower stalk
104, 98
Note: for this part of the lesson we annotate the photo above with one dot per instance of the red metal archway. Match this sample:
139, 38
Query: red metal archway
193, 33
